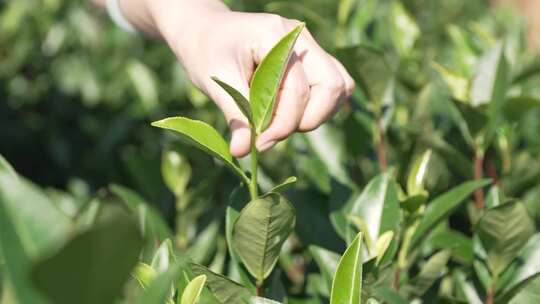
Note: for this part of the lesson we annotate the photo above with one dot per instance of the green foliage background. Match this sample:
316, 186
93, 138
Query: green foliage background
78, 96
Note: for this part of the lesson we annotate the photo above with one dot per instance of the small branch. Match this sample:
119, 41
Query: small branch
381, 147
490, 297
253, 188
478, 175
492, 172
260, 289
397, 278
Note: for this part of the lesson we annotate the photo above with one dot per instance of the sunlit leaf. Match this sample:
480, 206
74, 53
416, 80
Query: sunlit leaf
202, 136
267, 79
347, 284
417, 174
161, 289
193, 290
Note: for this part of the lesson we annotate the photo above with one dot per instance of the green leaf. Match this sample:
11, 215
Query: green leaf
515, 108
241, 101
442, 206
6, 166
225, 290
40, 224
237, 201
490, 85
327, 262
164, 257
530, 293
347, 285
370, 69
529, 265
205, 245
405, 31
161, 290
152, 222
144, 274
458, 85
193, 290
417, 174
260, 230
267, 79
15, 260
491, 77
412, 203
432, 270
259, 300
460, 245
382, 245
93, 266
284, 184
503, 231
378, 207
203, 136
176, 172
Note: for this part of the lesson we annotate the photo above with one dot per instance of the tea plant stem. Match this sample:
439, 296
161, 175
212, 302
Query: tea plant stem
490, 297
260, 289
381, 147
478, 174
253, 189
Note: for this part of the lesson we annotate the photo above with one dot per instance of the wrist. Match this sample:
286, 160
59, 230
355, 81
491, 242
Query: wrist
178, 20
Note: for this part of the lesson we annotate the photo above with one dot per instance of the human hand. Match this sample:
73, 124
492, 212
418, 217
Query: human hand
210, 40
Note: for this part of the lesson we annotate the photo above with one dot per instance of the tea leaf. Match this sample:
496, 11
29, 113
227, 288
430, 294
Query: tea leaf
284, 184
16, 262
259, 300
237, 201
63, 278
417, 174
503, 231
405, 31
176, 172
241, 101
442, 206
153, 226
378, 207
203, 136
430, 272
225, 290
347, 284
267, 79
162, 287
193, 290
382, 245
144, 274
327, 262
458, 85
516, 107
164, 257
260, 231
40, 223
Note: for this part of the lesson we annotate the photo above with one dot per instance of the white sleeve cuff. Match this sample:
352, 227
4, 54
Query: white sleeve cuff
115, 12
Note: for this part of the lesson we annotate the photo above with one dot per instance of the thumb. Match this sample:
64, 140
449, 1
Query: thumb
238, 124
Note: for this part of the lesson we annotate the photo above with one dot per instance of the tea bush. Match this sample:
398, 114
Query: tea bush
424, 188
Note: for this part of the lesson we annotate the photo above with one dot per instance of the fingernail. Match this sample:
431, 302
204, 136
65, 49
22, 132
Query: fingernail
266, 145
